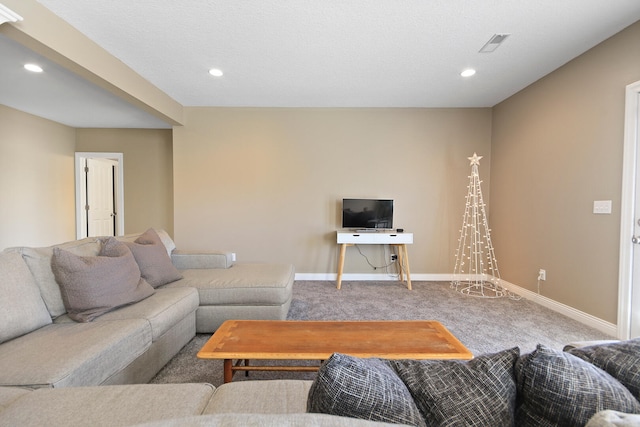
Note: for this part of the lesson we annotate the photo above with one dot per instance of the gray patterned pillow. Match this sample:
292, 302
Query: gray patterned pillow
362, 388
92, 286
621, 360
558, 388
480, 392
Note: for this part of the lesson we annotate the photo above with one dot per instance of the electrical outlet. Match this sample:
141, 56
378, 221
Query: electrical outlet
542, 274
394, 257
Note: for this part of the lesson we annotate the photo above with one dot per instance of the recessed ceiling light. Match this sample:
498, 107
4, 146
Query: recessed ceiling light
33, 67
216, 72
468, 72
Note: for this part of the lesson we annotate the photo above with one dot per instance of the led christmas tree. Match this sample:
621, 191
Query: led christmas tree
476, 270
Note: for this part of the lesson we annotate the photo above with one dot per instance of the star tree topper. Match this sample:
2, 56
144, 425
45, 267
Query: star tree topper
475, 160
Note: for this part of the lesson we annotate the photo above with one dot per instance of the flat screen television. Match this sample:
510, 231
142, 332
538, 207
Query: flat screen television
367, 213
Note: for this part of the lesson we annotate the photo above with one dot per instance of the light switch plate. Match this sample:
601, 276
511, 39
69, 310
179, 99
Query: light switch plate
602, 206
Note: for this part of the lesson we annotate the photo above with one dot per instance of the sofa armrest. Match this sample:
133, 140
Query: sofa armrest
185, 260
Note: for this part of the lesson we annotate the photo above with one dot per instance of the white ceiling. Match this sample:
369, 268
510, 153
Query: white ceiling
340, 53
62, 96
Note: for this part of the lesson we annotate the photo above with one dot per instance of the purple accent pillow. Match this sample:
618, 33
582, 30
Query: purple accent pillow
152, 258
92, 286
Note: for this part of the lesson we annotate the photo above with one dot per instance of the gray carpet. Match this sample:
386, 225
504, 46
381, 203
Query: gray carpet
483, 325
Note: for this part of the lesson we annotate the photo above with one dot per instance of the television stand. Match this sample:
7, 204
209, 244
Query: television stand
399, 240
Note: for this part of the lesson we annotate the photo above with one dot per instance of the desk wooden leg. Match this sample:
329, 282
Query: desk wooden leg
343, 249
400, 264
405, 260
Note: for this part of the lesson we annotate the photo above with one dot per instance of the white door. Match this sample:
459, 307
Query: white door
629, 274
99, 194
635, 286
100, 197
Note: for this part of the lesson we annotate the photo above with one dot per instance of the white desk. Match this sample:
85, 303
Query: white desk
399, 240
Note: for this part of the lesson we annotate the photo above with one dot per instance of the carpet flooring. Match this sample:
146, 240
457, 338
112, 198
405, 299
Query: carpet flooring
483, 325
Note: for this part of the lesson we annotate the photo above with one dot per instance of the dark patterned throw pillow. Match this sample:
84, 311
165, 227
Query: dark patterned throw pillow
621, 360
362, 388
480, 392
558, 389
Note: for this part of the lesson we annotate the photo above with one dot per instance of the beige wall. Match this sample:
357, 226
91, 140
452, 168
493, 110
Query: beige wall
268, 183
148, 173
37, 196
557, 147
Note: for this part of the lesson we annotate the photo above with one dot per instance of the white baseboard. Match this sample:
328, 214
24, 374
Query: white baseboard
382, 277
582, 317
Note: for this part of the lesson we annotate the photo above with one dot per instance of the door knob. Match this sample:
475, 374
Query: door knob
635, 240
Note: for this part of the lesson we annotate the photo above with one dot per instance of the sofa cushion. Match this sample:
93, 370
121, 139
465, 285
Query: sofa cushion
620, 359
120, 405
8, 395
152, 258
550, 381
92, 286
39, 262
266, 420
73, 354
241, 284
479, 392
368, 389
163, 310
22, 309
251, 397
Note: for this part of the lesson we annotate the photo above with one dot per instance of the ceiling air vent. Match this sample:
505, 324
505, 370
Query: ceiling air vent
493, 43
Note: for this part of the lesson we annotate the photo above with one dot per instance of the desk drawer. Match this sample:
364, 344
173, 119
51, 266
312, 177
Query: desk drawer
375, 238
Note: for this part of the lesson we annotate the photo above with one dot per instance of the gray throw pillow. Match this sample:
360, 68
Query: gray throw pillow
152, 258
557, 388
621, 360
92, 286
22, 309
362, 388
480, 392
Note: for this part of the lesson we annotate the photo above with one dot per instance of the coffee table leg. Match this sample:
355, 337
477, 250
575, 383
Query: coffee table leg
228, 372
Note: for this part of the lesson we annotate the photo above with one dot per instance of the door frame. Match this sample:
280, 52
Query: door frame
81, 188
628, 214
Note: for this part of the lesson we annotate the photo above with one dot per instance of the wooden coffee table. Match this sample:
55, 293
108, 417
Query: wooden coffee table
245, 340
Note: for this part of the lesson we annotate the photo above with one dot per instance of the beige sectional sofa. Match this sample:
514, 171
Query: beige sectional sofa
41, 345
73, 352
